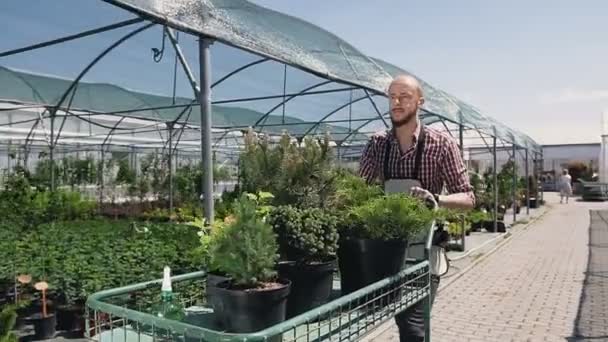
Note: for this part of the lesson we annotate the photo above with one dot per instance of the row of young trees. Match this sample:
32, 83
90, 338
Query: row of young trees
152, 179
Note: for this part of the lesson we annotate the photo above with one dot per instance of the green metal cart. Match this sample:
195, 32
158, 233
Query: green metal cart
120, 314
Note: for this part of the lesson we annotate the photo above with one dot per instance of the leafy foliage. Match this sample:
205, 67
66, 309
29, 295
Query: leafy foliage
246, 249
27, 207
351, 191
81, 257
8, 317
394, 216
305, 235
298, 175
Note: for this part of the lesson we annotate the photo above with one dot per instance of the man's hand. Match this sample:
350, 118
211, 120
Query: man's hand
424, 195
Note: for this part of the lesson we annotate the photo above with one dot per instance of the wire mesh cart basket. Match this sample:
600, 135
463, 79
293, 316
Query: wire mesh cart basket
123, 314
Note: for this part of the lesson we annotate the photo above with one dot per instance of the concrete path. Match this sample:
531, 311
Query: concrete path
529, 290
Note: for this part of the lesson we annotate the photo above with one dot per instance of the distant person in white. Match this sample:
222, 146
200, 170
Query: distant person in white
565, 186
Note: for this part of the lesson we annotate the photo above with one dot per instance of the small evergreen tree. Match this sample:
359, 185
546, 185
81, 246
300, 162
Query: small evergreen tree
246, 250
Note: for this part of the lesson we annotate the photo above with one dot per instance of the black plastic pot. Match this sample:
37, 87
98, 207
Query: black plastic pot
489, 226
364, 262
311, 285
251, 310
212, 299
533, 203
44, 327
70, 318
476, 226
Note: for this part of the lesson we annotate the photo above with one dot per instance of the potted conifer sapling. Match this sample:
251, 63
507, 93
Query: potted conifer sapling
308, 242
254, 297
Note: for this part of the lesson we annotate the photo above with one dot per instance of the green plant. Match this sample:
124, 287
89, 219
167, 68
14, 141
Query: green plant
82, 257
305, 235
246, 250
394, 216
8, 317
298, 174
351, 191
125, 174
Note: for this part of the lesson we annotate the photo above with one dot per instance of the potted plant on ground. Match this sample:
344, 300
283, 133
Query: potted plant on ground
375, 237
247, 251
308, 242
44, 322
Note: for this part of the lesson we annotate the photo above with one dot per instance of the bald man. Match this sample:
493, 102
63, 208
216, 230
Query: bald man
422, 161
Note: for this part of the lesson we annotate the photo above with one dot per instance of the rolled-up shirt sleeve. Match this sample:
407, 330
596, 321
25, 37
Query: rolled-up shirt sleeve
454, 172
368, 164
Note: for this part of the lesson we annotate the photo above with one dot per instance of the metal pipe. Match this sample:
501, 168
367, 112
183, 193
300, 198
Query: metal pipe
97, 59
375, 107
271, 97
263, 117
461, 145
246, 66
72, 37
206, 141
514, 184
541, 168
51, 151
527, 186
284, 90
322, 120
170, 128
182, 60
495, 164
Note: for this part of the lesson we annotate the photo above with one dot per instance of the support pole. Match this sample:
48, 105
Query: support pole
541, 168
461, 145
495, 163
101, 170
206, 143
514, 185
527, 185
51, 151
170, 130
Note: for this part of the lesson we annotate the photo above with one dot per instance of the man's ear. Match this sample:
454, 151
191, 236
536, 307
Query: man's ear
421, 101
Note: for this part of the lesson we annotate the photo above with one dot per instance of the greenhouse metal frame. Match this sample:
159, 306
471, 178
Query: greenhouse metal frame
185, 125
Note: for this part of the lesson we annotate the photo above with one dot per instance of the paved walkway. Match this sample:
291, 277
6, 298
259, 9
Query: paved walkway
529, 290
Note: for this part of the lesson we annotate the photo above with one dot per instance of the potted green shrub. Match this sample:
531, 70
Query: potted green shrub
375, 238
308, 242
247, 251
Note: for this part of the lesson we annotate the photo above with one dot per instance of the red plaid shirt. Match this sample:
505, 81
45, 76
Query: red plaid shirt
441, 162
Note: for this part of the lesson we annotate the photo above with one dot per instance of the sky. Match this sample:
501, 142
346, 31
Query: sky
537, 66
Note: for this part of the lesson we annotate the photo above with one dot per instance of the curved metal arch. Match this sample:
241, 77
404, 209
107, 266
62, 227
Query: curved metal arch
236, 71
72, 37
95, 61
263, 117
375, 107
110, 133
356, 130
334, 112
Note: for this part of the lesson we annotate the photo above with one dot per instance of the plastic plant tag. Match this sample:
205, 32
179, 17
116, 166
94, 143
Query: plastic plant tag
41, 286
24, 278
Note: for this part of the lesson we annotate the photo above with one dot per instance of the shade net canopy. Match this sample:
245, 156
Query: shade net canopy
270, 71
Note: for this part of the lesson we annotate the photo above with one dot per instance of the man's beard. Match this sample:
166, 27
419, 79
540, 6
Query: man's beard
404, 121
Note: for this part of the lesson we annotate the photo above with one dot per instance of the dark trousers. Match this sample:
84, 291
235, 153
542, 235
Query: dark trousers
411, 321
